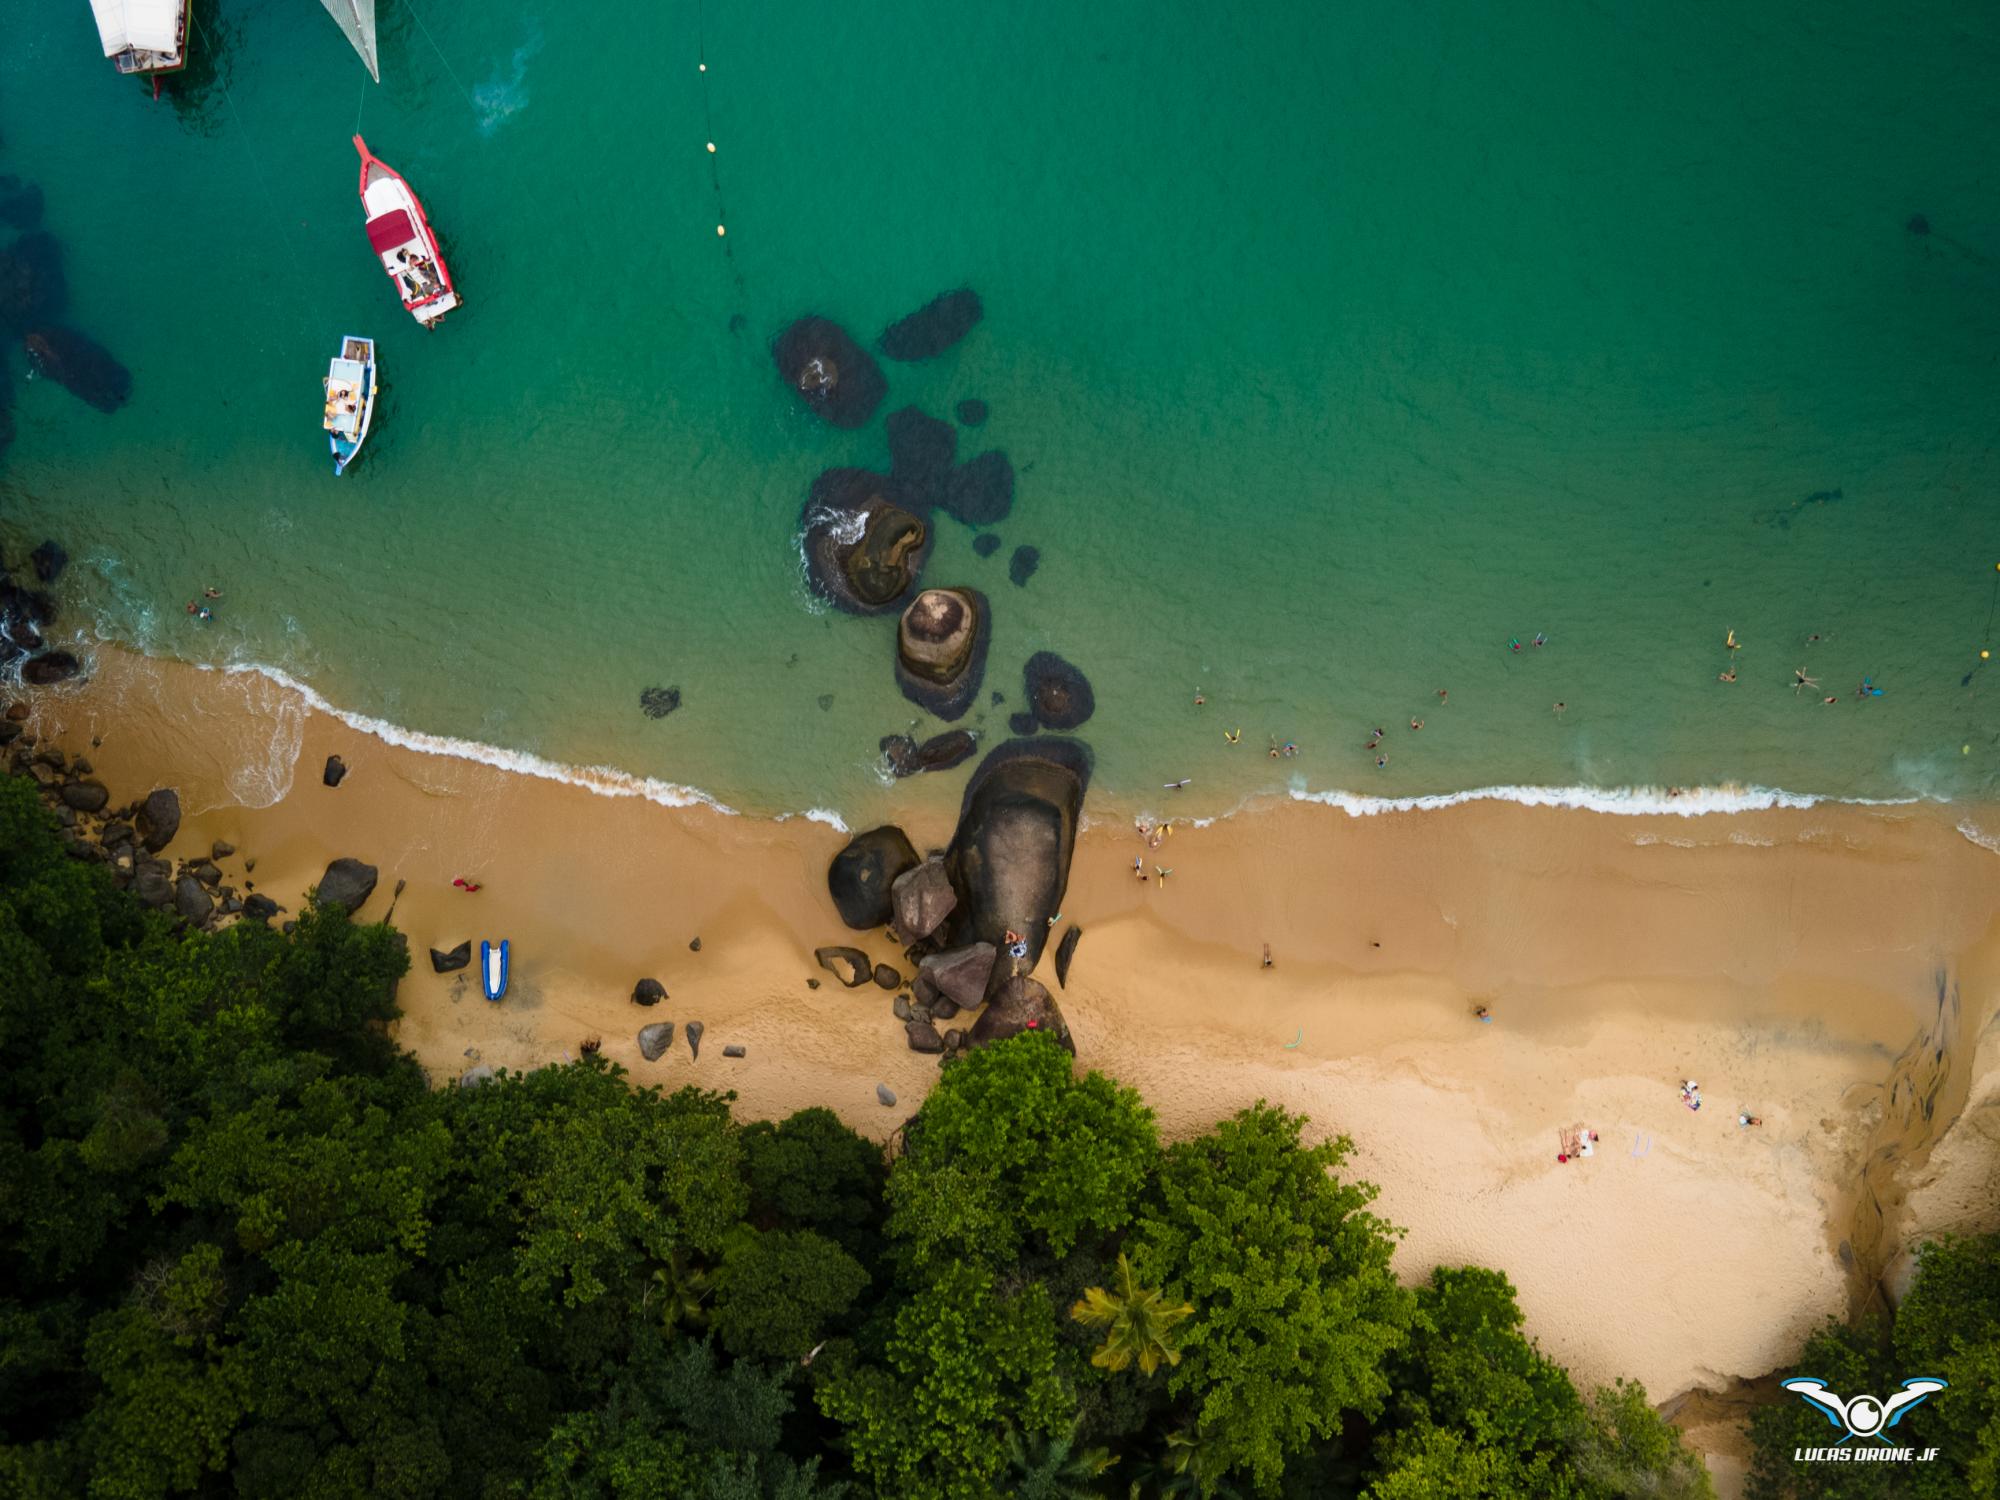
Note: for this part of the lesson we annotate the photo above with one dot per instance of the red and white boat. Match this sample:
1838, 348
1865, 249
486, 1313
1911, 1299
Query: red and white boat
403, 240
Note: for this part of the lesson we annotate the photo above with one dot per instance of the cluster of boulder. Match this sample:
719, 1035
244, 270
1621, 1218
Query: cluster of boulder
130, 838
26, 610
975, 916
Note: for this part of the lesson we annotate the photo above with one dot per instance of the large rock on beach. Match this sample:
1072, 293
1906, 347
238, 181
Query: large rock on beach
335, 772
834, 376
32, 288
49, 668
923, 1037
159, 818
192, 901
863, 553
452, 962
648, 992
694, 1031
1066, 951
86, 796
1058, 694
886, 978
938, 753
923, 898
153, 887
348, 882
1009, 858
941, 650
932, 328
962, 974
654, 1040
849, 965
921, 450
261, 908
80, 365
862, 873
981, 491
1020, 1004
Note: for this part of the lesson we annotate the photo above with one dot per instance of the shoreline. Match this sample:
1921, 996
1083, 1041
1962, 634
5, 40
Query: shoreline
1787, 957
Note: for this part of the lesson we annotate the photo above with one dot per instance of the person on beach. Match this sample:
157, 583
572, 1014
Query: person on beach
1163, 874
1268, 960
1691, 1094
1749, 1119
1139, 868
1481, 1013
1175, 786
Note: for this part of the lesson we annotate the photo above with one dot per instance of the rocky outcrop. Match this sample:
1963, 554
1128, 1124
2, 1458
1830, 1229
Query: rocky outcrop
1020, 1004
658, 702
1065, 951
335, 772
862, 873
153, 887
849, 965
938, 753
80, 365
192, 901
986, 543
654, 1040
648, 992
923, 1037
972, 412
159, 818
49, 668
835, 377
1009, 858
863, 553
941, 650
922, 898
1021, 566
261, 908
981, 492
86, 796
932, 328
452, 962
961, 974
348, 882
921, 450
1058, 694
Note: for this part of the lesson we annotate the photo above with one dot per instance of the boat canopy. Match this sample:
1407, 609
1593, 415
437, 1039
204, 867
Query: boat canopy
390, 231
138, 25
356, 19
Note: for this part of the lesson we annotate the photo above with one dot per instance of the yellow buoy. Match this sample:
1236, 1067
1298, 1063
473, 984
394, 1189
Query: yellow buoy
702, 66
720, 230
1985, 655
711, 148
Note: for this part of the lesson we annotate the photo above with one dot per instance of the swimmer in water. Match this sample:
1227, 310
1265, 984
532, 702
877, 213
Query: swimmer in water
1198, 699
1416, 723
1829, 700
1800, 680
1539, 640
1442, 695
1175, 786
1728, 676
1731, 642
1560, 706
1514, 644
1381, 761
1232, 736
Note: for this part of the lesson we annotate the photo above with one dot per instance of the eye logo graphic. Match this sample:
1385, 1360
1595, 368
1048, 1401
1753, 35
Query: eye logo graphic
1865, 1416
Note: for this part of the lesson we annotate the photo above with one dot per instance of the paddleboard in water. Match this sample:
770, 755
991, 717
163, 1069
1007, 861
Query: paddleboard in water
493, 968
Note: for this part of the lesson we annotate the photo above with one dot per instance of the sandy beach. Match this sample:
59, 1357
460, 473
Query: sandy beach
1834, 971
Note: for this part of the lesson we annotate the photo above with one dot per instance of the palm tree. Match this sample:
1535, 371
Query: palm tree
1186, 1466
1053, 1468
1138, 1323
681, 1288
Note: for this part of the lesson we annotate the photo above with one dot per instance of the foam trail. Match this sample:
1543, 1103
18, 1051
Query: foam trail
1693, 802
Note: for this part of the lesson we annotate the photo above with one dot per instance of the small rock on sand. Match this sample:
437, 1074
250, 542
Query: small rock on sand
887, 977
655, 1039
335, 769
694, 1031
473, 1077
923, 1037
695, 946
648, 992
735, 1049
882, 1093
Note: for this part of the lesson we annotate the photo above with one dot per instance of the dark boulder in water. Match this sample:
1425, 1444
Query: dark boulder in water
49, 560
921, 451
986, 543
80, 365
1058, 693
938, 753
1010, 855
941, 650
863, 553
972, 412
1023, 723
980, 492
49, 668
1918, 225
658, 702
932, 328
1021, 566
862, 873
834, 376
32, 288
20, 202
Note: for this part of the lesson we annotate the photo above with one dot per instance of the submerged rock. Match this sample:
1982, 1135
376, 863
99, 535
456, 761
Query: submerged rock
938, 753
80, 365
654, 1040
49, 668
1023, 723
941, 650
986, 544
921, 450
972, 412
1058, 693
348, 882
48, 561
923, 898
981, 492
861, 874
863, 553
658, 702
20, 202
1021, 567
447, 963
32, 287
1010, 856
932, 328
834, 376
159, 818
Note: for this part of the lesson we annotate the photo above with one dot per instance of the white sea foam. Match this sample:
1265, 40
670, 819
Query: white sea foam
604, 781
1691, 802
1977, 835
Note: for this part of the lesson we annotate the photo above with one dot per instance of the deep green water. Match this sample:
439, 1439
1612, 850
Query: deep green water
1334, 346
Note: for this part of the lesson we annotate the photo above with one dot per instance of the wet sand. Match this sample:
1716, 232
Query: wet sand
1832, 970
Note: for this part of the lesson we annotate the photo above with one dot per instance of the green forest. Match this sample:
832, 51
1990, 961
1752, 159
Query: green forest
249, 1251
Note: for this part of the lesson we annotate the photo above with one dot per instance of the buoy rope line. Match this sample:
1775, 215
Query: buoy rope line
708, 124
462, 89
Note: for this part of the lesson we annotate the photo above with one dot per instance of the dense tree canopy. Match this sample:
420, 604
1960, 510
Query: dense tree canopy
246, 1250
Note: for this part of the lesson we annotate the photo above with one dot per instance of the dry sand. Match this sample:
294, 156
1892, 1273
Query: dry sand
1835, 971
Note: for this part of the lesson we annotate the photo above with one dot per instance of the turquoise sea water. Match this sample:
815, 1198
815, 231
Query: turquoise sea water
1334, 347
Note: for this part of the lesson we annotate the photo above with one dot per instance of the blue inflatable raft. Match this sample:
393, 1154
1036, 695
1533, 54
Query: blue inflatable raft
493, 968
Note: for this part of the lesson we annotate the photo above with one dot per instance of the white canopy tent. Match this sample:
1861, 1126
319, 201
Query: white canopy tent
138, 25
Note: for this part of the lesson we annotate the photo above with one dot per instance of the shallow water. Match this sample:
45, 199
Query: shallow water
1333, 351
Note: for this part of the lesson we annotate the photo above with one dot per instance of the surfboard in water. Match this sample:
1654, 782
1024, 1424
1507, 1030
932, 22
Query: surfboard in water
356, 20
